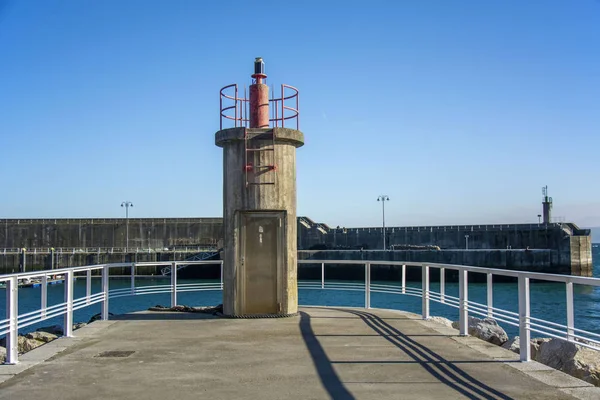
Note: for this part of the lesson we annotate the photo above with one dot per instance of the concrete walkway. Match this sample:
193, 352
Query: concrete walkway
323, 353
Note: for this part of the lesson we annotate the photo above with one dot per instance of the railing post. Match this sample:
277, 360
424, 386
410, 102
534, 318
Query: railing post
463, 312
490, 296
12, 313
44, 295
24, 260
403, 279
132, 279
570, 313
68, 318
88, 286
322, 275
524, 332
425, 291
105, 288
367, 285
221, 274
173, 284
442, 285
282, 108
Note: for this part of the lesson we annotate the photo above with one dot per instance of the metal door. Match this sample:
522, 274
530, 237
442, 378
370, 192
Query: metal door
261, 261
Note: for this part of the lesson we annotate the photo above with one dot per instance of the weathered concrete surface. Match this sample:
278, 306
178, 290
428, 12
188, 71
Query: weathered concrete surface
536, 260
110, 232
273, 190
323, 353
481, 237
568, 247
12, 263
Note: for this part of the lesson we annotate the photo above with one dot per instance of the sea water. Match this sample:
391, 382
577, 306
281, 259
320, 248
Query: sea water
547, 299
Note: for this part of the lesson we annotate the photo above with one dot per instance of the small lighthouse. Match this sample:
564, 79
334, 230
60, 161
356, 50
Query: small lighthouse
259, 197
546, 206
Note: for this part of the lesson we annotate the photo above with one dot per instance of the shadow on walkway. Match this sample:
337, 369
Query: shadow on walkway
443, 370
329, 378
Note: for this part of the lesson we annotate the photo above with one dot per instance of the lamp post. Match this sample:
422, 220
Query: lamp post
539, 218
383, 198
466, 242
127, 204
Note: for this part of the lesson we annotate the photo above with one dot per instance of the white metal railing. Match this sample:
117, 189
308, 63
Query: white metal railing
14, 321
521, 319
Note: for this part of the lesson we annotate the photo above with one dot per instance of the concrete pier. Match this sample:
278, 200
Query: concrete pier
322, 353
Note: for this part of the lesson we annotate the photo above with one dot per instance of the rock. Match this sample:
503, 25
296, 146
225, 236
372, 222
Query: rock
515, 346
2, 354
535, 346
571, 358
512, 345
79, 325
214, 310
41, 336
54, 329
26, 344
486, 329
97, 317
441, 320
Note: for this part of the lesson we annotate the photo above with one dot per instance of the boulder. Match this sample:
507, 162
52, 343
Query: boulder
2, 354
535, 346
512, 345
78, 325
515, 346
441, 320
573, 359
41, 336
98, 317
54, 329
26, 344
486, 329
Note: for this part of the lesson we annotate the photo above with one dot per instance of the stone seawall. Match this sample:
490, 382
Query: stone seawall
12, 263
144, 233
569, 246
539, 260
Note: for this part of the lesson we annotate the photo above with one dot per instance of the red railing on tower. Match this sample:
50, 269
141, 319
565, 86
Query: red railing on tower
284, 110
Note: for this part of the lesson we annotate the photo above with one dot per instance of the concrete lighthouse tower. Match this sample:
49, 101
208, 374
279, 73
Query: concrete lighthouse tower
259, 198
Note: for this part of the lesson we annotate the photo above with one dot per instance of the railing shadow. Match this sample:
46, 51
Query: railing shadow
440, 368
443, 370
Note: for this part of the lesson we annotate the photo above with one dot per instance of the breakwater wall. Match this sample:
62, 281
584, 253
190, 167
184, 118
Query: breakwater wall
570, 245
144, 233
537, 260
15, 262
472, 237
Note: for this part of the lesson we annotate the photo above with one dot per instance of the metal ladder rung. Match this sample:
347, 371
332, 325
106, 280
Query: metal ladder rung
260, 149
253, 154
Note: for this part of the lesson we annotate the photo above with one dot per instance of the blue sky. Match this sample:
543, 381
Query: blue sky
460, 111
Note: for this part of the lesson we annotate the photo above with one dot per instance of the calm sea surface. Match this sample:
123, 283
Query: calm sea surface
547, 300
